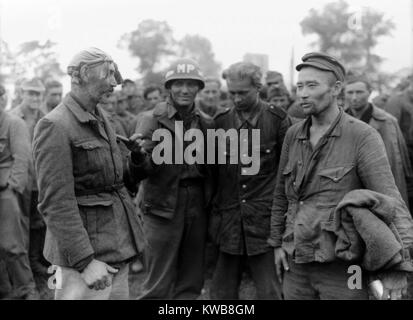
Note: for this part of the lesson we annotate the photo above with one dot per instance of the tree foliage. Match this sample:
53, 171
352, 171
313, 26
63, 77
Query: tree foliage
199, 48
350, 36
154, 44
150, 42
31, 59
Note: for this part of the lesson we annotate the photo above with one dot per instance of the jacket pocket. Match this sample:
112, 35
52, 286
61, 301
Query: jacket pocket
88, 156
335, 181
98, 220
289, 173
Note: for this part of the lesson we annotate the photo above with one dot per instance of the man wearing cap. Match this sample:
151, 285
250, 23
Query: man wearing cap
92, 230
174, 196
14, 166
243, 200
322, 160
30, 111
274, 79
357, 92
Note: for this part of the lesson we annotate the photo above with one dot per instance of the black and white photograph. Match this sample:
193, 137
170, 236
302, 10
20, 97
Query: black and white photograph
207, 155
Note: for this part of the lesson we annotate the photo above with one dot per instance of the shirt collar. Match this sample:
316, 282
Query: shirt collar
253, 117
333, 131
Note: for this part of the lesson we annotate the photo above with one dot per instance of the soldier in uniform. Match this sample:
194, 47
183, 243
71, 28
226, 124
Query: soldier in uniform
241, 214
93, 232
30, 111
174, 196
14, 175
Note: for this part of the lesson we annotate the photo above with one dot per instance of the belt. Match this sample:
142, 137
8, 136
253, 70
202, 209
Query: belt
104, 189
190, 182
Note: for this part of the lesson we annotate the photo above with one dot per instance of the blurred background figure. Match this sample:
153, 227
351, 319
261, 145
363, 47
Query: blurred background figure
29, 111
18, 93
16, 279
280, 97
133, 100
152, 95
209, 97
53, 95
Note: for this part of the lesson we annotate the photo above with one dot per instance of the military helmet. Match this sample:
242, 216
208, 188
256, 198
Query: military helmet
184, 69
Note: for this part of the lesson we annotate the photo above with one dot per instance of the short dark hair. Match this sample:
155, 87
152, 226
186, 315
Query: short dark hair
353, 78
49, 84
244, 70
216, 80
151, 88
278, 92
126, 81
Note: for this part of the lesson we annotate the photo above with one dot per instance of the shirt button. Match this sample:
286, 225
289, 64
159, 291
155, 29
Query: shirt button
243, 201
244, 186
268, 151
294, 183
335, 179
301, 202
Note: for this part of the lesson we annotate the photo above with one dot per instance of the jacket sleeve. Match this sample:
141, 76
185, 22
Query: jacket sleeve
21, 152
374, 170
280, 202
394, 107
57, 201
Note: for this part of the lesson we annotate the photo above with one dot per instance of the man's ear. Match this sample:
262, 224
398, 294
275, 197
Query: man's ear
84, 73
337, 87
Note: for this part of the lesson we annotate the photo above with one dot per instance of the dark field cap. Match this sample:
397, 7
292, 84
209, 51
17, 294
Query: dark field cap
323, 62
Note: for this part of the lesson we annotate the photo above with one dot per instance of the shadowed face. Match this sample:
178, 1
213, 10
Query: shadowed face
210, 94
357, 95
101, 81
183, 92
32, 98
242, 93
54, 96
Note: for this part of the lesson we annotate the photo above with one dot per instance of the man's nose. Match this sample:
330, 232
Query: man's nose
184, 88
303, 93
113, 82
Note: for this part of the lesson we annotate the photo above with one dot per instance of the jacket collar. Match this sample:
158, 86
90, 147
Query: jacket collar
334, 130
83, 116
166, 113
20, 112
253, 117
78, 111
379, 114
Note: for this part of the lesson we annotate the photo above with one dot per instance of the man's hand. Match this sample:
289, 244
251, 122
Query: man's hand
135, 145
281, 263
395, 285
98, 275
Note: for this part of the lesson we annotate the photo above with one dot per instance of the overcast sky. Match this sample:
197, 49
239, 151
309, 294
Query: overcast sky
234, 27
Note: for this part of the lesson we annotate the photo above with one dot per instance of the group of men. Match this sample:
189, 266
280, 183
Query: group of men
297, 202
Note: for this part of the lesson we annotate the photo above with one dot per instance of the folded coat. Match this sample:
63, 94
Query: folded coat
363, 224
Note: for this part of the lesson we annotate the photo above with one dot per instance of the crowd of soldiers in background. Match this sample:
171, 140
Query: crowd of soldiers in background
33, 99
